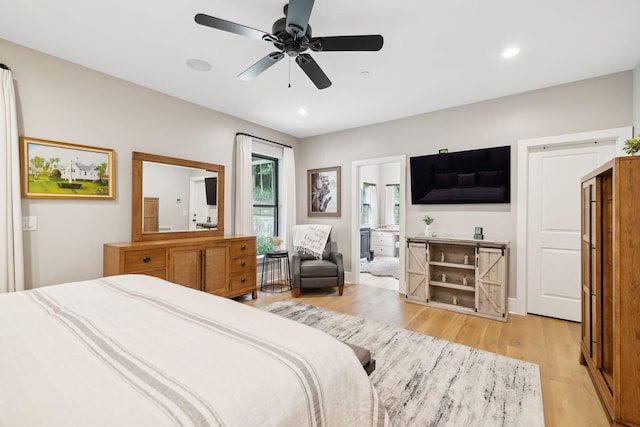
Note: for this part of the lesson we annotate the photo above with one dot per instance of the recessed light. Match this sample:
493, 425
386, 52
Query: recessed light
364, 73
198, 64
510, 52
302, 111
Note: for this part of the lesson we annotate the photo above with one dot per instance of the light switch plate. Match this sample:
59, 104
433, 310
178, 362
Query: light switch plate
29, 223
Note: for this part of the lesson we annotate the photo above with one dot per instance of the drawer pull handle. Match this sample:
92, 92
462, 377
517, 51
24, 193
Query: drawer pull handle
146, 259
243, 263
243, 247
243, 280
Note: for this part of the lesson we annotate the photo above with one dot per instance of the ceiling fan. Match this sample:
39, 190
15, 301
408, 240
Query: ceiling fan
291, 35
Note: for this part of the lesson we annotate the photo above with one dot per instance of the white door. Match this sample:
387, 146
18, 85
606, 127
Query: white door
197, 203
553, 246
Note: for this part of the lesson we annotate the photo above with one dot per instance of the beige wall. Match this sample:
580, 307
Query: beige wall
60, 101
599, 103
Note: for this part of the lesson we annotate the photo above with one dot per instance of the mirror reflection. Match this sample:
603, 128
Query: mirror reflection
178, 198
175, 198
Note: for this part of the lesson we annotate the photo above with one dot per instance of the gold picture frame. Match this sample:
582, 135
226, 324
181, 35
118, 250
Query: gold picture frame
323, 189
52, 169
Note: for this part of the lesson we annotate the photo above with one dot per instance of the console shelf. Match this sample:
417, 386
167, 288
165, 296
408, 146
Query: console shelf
467, 276
449, 264
453, 286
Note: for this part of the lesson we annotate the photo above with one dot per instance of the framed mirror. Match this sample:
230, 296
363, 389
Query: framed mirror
175, 198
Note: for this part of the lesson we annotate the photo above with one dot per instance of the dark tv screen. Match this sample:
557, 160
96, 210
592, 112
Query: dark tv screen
211, 188
474, 176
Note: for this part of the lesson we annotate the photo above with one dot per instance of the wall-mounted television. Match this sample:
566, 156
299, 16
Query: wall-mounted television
474, 176
211, 188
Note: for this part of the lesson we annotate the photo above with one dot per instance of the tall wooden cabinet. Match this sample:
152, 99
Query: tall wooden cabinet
611, 286
224, 266
468, 276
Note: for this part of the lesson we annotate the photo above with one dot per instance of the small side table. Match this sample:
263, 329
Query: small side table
276, 272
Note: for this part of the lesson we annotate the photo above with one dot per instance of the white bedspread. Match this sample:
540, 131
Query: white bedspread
138, 351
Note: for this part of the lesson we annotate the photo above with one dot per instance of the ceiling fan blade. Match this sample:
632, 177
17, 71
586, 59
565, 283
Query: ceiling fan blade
261, 65
298, 13
346, 43
313, 70
232, 27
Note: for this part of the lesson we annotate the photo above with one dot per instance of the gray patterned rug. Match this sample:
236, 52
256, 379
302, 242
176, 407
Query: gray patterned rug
426, 381
381, 266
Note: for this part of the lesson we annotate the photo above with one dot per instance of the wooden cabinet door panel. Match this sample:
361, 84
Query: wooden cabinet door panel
416, 272
491, 281
216, 269
185, 266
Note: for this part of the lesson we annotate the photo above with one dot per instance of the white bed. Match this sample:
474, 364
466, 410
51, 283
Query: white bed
138, 351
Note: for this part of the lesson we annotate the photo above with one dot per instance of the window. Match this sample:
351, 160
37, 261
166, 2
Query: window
264, 172
368, 202
396, 204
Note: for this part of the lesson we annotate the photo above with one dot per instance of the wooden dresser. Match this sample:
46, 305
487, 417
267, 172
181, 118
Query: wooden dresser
611, 286
224, 266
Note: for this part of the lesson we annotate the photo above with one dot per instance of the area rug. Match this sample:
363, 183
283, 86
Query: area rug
384, 267
426, 381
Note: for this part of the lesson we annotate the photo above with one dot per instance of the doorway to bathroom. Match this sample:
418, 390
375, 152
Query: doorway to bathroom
378, 212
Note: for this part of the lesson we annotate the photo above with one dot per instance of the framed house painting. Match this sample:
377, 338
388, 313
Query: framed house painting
323, 189
51, 169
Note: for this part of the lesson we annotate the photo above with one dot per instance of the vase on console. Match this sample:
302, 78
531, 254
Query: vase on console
427, 225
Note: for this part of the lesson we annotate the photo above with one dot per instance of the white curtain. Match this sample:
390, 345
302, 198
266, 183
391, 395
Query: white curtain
371, 196
389, 204
244, 187
11, 254
288, 191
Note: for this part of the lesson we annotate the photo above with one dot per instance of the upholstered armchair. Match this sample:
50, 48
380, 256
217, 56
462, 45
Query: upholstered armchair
309, 272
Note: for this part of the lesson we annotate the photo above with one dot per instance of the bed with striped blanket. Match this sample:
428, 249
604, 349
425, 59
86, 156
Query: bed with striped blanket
139, 351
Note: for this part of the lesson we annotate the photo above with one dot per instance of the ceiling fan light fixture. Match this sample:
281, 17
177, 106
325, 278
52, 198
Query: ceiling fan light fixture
510, 52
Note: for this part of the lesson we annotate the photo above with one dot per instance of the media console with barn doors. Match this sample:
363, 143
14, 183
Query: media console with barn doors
462, 275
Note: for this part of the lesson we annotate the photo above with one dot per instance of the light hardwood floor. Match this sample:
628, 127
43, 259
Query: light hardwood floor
568, 394
379, 282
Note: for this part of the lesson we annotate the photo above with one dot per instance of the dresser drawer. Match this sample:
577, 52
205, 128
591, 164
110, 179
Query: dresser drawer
160, 273
245, 280
243, 263
383, 250
144, 259
243, 247
387, 240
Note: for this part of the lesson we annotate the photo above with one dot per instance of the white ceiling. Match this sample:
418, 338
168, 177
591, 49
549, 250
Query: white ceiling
436, 54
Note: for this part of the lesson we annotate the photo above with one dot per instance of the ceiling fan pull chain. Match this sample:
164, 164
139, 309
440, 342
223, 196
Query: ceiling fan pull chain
289, 72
